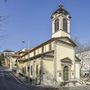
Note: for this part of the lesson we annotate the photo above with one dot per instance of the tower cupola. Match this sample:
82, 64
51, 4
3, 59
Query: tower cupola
61, 22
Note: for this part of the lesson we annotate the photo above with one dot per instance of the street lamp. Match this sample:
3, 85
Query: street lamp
28, 64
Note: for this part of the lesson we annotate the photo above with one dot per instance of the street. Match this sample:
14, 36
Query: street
9, 82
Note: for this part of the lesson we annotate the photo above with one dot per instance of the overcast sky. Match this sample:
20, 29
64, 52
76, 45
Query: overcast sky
29, 20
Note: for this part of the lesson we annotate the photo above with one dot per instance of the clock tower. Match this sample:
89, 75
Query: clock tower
60, 23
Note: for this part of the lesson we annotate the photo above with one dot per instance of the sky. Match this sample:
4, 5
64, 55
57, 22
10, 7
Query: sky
29, 21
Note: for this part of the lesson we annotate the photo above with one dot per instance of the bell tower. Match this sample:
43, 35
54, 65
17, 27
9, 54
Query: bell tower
60, 23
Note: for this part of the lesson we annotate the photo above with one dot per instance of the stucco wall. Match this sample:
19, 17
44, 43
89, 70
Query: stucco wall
77, 70
63, 51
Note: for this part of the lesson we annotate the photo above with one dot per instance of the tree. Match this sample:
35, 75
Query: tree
79, 47
83, 52
2, 59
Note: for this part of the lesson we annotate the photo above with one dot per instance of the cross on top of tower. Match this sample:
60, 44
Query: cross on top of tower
61, 10
61, 6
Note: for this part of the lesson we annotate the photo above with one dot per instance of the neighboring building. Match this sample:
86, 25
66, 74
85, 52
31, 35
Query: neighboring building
14, 60
7, 54
53, 61
85, 61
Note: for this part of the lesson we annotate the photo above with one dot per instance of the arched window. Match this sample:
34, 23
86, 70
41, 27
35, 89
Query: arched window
56, 25
65, 25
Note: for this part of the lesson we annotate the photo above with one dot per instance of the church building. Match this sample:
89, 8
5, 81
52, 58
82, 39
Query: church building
53, 61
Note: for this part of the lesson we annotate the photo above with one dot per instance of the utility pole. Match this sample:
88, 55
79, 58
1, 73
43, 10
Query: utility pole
28, 62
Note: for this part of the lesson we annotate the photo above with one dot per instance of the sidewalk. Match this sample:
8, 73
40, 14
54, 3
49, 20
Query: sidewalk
23, 79
27, 82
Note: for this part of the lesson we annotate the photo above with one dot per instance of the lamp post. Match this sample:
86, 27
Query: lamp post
28, 63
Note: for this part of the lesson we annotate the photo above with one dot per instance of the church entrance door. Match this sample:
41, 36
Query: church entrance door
65, 73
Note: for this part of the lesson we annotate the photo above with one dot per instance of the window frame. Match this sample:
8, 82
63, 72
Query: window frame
65, 26
50, 46
56, 25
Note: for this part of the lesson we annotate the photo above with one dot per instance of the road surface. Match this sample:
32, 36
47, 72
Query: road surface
8, 81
